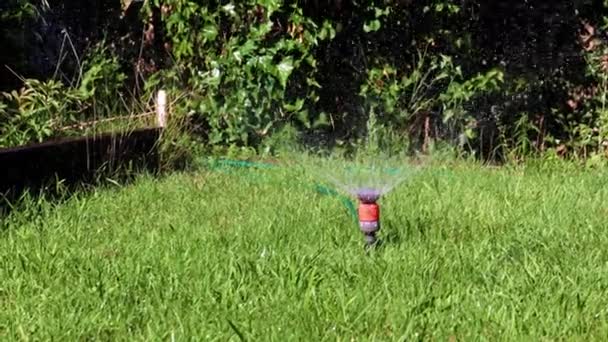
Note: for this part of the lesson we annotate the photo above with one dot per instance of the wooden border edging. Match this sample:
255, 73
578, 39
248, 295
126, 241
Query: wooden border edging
79, 160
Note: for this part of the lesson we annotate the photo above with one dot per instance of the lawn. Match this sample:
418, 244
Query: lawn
469, 253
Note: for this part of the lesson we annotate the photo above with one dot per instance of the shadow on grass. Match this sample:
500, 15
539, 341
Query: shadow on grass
57, 191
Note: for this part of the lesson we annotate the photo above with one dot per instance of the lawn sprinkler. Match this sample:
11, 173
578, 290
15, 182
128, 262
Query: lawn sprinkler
359, 184
366, 184
369, 214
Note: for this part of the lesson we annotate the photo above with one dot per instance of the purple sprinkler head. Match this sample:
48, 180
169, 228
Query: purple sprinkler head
369, 214
368, 195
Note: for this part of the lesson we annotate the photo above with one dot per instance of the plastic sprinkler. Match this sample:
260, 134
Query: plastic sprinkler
369, 215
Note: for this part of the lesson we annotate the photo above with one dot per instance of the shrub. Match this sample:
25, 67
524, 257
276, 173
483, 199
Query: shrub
248, 65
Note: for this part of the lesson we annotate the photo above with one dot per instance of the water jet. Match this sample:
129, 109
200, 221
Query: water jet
366, 182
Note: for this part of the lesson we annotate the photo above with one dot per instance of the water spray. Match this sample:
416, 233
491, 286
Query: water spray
367, 183
364, 182
369, 214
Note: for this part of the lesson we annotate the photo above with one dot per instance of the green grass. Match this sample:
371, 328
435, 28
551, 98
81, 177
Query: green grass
470, 253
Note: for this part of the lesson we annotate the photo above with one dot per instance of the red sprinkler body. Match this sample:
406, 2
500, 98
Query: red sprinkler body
369, 214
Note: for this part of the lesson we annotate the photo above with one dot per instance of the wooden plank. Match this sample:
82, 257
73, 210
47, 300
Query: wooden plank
77, 160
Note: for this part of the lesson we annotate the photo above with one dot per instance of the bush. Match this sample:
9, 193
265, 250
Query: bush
249, 66
42, 109
499, 78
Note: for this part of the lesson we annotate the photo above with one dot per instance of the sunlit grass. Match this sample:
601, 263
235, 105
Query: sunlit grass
469, 252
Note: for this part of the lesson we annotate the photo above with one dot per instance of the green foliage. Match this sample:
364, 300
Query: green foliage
16, 10
401, 98
32, 113
591, 133
424, 71
238, 60
515, 142
284, 139
102, 78
378, 13
41, 110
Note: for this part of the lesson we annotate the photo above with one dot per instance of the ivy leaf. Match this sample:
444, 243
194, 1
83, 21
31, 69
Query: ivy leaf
247, 48
284, 70
229, 8
321, 121
303, 118
210, 32
372, 26
448, 114
327, 31
295, 106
